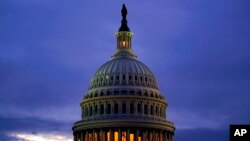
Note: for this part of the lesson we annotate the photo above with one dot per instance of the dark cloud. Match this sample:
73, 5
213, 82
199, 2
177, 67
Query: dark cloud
29, 125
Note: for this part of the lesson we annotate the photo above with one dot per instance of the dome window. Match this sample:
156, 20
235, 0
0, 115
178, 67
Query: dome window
109, 109
145, 109
139, 108
102, 109
151, 110
156, 110
96, 109
90, 111
116, 108
123, 108
131, 108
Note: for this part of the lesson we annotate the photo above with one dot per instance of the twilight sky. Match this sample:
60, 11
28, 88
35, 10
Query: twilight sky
199, 51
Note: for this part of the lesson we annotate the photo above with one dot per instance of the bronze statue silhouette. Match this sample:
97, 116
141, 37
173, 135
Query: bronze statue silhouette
124, 26
124, 11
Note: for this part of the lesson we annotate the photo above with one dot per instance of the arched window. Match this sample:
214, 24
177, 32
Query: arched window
139, 108
90, 111
131, 108
102, 94
102, 109
145, 109
96, 109
124, 108
151, 109
156, 110
116, 108
109, 109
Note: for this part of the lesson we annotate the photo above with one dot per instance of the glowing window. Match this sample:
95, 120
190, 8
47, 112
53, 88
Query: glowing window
131, 137
123, 136
123, 43
108, 136
95, 136
115, 136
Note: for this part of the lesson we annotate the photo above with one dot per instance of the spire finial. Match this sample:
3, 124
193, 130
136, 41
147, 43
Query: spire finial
124, 26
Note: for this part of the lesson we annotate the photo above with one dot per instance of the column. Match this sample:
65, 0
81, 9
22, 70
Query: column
128, 135
81, 136
98, 135
105, 108
111, 135
93, 135
165, 136
74, 137
154, 137
172, 137
144, 136
142, 108
136, 135
87, 136
103, 135
119, 135
77, 136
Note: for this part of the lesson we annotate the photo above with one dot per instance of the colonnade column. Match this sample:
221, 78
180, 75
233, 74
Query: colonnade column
98, 136
136, 135
170, 136
143, 135
93, 135
128, 135
103, 135
111, 134
81, 137
119, 135
75, 135
87, 136
166, 136
154, 137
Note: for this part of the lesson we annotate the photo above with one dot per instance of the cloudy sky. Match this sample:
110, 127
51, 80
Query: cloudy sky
49, 50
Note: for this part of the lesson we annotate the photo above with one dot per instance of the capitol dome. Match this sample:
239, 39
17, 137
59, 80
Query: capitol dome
123, 102
121, 72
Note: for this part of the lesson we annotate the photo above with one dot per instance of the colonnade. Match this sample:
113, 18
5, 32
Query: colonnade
122, 134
